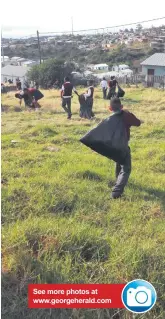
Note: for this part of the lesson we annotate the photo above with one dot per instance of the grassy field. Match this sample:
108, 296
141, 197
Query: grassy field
59, 224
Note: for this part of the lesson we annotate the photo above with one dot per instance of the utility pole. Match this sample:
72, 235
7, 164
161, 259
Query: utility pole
2, 47
39, 48
72, 25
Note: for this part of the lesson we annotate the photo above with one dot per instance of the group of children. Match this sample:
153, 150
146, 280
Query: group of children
31, 97
111, 87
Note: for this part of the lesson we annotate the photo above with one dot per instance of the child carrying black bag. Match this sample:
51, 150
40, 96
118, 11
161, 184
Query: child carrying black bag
110, 138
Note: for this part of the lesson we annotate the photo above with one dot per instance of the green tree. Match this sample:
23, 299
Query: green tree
47, 72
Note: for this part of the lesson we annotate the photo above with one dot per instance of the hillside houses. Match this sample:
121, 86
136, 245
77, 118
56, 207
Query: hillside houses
17, 61
138, 34
155, 37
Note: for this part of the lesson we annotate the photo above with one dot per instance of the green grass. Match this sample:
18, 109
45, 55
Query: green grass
59, 224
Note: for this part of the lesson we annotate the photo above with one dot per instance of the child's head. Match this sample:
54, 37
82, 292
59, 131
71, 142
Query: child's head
91, 82
67, 79
115, 104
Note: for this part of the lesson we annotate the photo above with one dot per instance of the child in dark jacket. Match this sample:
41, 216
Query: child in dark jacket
123, 171
31, 97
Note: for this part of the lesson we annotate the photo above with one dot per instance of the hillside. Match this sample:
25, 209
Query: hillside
120, 46
59, 224
117, 53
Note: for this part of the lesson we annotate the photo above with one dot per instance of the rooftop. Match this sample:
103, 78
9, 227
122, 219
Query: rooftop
29, 62
123, 66
21, 59
15, 58
12, 70
101, 64
157, 59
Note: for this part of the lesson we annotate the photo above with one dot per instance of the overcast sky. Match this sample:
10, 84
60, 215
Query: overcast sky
24, 18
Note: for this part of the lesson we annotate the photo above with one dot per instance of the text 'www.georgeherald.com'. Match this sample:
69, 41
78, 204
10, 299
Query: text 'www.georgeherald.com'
75, 296
71, 301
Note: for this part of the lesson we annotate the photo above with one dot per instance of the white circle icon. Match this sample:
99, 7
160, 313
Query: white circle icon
141, 297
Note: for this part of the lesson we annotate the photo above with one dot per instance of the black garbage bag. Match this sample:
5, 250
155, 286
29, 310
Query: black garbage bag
85, 111
109, 138
120, 92
38, 95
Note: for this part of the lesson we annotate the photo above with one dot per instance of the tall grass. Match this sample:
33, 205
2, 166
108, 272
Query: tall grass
59, 224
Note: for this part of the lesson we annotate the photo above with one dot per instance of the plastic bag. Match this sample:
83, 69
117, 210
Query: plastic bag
120, 92
109, 138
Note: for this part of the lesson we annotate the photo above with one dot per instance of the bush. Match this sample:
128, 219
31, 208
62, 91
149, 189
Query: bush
49, 71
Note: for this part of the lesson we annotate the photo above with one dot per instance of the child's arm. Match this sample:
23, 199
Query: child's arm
62, 91
74, 90
88, 94
131, 119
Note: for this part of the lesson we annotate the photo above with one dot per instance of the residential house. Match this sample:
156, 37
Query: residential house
14, 60
29, 63
157, 44
21, 61
12, 72
100, 67
154, 69
121, 67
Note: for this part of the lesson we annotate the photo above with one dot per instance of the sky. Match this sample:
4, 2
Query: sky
24, 18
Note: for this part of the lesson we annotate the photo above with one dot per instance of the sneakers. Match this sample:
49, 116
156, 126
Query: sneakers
116, 195
69, 116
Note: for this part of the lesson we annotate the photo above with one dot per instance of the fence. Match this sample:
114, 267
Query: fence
6, 77
6, 89
145, 80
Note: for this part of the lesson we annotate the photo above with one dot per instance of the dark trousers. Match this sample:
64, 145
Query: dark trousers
104, 93
66, 104
122, 175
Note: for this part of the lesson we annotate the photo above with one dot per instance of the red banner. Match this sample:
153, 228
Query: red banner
75, 296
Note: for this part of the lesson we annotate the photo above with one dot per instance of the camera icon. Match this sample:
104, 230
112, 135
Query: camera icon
141, 296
